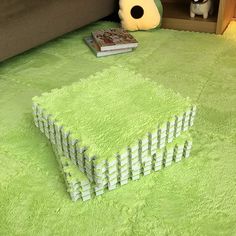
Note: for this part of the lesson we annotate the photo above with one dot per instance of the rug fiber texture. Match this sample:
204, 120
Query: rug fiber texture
193, 197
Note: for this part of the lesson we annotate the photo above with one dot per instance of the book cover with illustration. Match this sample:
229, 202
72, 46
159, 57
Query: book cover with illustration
96, 50
114, 38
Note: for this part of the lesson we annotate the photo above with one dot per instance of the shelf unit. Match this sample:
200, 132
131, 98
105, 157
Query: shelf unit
176, 15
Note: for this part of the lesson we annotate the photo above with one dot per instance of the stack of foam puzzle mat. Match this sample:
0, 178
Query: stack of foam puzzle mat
112, 128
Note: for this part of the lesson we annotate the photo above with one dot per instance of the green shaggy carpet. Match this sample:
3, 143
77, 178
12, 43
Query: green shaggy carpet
194, 197
111, 110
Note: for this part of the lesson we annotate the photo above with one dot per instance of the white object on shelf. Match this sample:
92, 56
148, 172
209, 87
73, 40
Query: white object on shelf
201, 7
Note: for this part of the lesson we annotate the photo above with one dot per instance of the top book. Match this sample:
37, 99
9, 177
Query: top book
114, 38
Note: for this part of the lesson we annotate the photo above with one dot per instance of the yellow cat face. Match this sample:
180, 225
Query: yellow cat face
139, 14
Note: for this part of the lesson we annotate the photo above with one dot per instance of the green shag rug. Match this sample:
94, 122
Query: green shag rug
111, 110
193, 197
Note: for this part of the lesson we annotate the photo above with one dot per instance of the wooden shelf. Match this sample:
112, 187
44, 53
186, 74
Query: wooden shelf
176, 15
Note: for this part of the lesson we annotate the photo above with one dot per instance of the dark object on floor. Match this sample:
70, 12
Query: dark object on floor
25, 24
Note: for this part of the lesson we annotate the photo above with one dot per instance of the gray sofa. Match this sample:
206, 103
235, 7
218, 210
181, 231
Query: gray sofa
25, 24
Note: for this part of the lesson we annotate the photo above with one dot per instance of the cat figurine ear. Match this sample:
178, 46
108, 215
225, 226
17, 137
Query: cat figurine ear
140, 14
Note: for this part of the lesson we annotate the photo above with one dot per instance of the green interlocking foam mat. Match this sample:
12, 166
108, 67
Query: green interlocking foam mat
80, 187
192, 197
111, 110
111, 125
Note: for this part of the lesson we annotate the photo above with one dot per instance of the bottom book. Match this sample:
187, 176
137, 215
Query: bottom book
94, 47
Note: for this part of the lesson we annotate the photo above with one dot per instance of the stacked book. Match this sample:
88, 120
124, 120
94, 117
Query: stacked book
111, 41
112, 128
